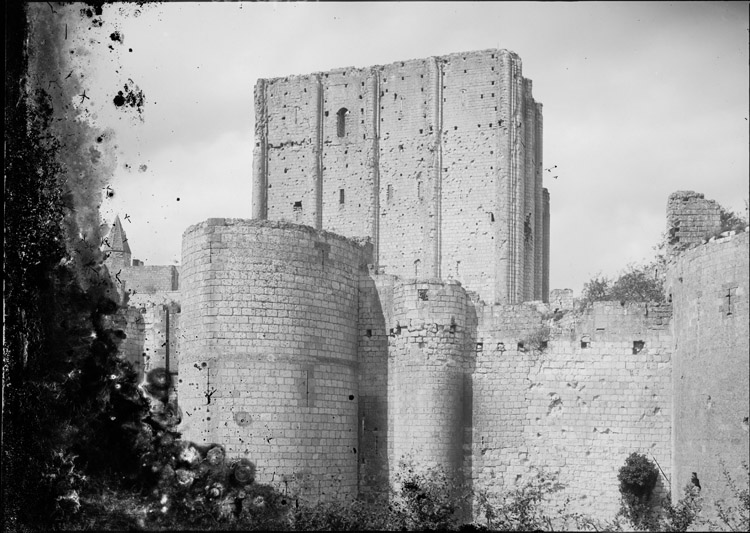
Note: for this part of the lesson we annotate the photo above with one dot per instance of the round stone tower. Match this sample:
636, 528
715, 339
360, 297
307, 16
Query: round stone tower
427, 363
269, 349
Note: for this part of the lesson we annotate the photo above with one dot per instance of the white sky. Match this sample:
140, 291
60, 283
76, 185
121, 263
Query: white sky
640, 100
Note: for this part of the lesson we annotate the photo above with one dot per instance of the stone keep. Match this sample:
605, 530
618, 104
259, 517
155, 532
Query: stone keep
438, 161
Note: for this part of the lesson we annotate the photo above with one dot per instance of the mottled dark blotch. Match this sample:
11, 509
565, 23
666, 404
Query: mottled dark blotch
130, 96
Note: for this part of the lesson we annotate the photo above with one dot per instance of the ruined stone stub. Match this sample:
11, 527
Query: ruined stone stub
690, 220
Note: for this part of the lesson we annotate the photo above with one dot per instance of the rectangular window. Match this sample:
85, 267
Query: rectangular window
341, 196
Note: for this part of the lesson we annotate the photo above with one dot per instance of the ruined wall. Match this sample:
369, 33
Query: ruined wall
691, 219
708, 286
562, 299
577, 407
444, 153
130, 320
148, 279
268, 362
151, 323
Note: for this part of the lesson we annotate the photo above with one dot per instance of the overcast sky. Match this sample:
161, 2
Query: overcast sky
640, 100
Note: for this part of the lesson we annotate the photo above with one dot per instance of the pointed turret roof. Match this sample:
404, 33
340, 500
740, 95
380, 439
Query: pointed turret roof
118, 241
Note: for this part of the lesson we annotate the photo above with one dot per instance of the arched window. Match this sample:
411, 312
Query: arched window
341, 121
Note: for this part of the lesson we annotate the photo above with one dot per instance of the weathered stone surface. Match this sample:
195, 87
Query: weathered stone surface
327, 357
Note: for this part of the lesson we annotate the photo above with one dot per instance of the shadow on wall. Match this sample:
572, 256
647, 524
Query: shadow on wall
373, 391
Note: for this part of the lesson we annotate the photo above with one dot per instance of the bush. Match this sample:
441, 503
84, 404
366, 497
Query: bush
684, 513
634, 284
528, 507
731, 221
736, 516
638, 479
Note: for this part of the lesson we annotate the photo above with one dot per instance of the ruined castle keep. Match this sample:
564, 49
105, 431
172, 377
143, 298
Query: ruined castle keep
386, 303
438, 161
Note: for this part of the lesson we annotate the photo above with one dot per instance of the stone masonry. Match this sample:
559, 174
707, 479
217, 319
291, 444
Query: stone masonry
444, 153
331, 341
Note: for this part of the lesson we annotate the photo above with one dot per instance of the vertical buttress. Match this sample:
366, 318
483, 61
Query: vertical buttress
545, 251
529, 202
539, 225
375, 90
260, 153
436, 72
318, 215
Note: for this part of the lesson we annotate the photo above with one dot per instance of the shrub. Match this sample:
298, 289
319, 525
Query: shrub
684, 513
634, 284
638, 479
735, 516
731, 221
527, 507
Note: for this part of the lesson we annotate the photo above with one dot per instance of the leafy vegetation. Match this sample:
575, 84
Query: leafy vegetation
638, 479
731, 221
735, 514
634, 284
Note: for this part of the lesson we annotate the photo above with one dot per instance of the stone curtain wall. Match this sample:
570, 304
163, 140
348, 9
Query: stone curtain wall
444, 152
152, 339
567, 409
708, 286
269, 358
149, 279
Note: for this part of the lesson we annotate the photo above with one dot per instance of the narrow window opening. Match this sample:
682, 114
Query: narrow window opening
341, 196
341, 121
480, 346
638, 346
369, 333
729, 301
492, 217
298, 206
423, 296
389, 193
521, 347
